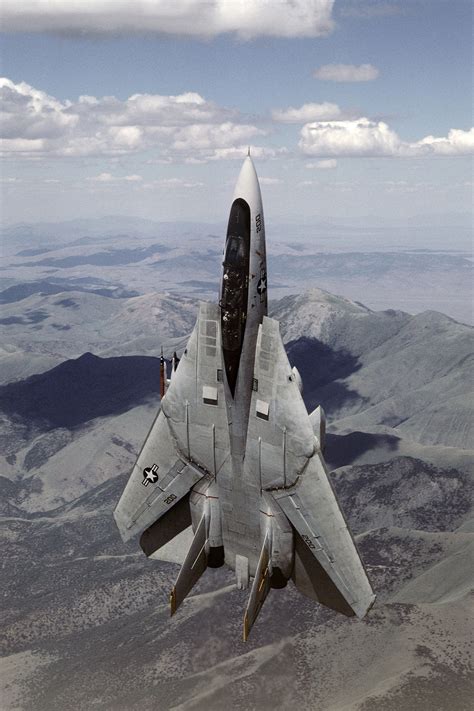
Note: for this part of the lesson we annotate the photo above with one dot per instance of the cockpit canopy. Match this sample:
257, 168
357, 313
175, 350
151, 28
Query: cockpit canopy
234, 296
235, 252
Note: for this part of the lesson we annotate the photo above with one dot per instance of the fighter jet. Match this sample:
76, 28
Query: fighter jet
234, 454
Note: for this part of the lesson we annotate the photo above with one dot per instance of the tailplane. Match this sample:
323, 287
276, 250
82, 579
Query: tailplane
194, 566
260, 586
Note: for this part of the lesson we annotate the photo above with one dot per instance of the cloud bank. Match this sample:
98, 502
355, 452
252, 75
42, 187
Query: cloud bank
346, 72
366, 138
192, 18
188, 128
457, 142
185, 126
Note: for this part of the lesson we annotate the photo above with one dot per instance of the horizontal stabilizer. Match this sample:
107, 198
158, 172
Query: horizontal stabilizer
175, 520
311, 580
260, 587
193, 567
324, 548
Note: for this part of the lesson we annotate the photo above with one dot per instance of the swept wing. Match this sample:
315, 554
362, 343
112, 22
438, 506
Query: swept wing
188, 441
282, 447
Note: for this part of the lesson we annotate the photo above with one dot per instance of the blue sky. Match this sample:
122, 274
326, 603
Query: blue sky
360, 141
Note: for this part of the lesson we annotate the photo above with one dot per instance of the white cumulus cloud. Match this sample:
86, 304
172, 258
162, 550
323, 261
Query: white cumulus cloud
195, 18
352, 138
185, 126
307, 112
346, 72
206, 136
457, 142
363, 137
32, 115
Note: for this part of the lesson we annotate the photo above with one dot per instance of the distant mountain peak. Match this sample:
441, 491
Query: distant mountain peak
325, 297
433, 318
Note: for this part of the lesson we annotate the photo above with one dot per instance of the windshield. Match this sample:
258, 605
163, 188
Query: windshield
235, 251
234, 295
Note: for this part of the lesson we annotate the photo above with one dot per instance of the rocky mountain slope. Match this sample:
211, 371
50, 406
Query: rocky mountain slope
85, 618
45, 329
389, 369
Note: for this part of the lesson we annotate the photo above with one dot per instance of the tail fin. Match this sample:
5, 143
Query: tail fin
163, 377
174, 365
260, 586
174, 362
194, 566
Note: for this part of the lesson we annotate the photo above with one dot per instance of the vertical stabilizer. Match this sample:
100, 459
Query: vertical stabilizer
194, 566
162, 375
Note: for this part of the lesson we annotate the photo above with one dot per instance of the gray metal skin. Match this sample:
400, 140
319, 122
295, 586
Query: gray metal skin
236, 457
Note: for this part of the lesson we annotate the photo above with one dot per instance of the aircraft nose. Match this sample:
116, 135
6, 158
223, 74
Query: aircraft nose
247, 186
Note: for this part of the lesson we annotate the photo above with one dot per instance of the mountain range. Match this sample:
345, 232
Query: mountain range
85, 617
415, 265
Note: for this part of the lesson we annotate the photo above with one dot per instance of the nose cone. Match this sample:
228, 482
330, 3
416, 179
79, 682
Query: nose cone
247, 186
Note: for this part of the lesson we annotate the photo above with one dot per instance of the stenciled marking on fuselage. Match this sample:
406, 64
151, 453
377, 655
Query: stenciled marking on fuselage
308, 541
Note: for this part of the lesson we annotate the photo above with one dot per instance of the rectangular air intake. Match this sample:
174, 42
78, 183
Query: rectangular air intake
209, 395
262, 409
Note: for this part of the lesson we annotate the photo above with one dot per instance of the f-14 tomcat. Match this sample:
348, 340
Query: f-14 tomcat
233, 451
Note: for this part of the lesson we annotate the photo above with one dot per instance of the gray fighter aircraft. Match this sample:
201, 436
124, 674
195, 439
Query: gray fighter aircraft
233, 451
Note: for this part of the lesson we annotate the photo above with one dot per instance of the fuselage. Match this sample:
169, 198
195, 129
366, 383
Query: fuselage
243, 298
243, 303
